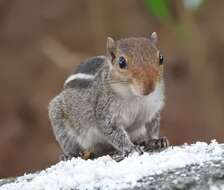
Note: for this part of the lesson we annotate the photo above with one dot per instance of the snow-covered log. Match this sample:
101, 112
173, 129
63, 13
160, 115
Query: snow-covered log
196, 166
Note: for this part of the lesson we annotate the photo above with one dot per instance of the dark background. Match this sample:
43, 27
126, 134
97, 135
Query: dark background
40, 41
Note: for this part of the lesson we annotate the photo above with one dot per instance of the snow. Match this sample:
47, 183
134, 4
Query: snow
216, 187
105, 173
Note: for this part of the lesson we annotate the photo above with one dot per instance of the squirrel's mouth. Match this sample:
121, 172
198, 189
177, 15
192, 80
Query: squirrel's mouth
141, 92
129, 89
142, 88
146, 92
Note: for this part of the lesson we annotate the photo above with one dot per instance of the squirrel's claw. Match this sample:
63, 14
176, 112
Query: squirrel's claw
156, 144
118, 157
121, 156
63, 157
134, 149
139, 150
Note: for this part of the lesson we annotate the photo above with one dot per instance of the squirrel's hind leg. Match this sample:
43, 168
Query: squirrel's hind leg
65, 137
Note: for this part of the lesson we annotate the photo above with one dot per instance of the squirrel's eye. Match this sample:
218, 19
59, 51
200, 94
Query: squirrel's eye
160, 59
122, 63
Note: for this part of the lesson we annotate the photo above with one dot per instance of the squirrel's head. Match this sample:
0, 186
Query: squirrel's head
136, 65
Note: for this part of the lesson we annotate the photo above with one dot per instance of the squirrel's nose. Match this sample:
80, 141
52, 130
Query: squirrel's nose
148, 81
148, 87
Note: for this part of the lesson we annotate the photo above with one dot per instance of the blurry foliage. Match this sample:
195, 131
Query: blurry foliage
193, 4
162, 10
159, 8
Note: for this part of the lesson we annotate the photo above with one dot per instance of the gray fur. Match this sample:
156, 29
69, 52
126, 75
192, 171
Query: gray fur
90, 66
94, 116
153, 127
79, 83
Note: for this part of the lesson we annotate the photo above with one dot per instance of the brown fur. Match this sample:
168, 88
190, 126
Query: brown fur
142, 57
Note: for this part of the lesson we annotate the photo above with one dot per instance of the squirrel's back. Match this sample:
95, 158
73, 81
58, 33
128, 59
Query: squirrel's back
84, 74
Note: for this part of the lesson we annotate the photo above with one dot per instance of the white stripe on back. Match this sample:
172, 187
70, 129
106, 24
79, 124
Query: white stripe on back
79, 76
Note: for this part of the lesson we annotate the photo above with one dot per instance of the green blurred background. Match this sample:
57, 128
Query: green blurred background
40, 41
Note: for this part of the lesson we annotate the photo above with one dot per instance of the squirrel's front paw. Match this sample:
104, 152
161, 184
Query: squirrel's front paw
121, 156
138, 149
133, 150
64, 157
156, 144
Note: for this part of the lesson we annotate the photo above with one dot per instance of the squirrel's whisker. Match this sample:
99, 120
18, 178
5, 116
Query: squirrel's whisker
118, 82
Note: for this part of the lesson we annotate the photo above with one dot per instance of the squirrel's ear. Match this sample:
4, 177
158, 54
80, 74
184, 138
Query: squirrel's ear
154, 37
110, 47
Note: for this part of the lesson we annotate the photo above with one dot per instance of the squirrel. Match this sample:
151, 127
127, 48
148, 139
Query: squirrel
112, 102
